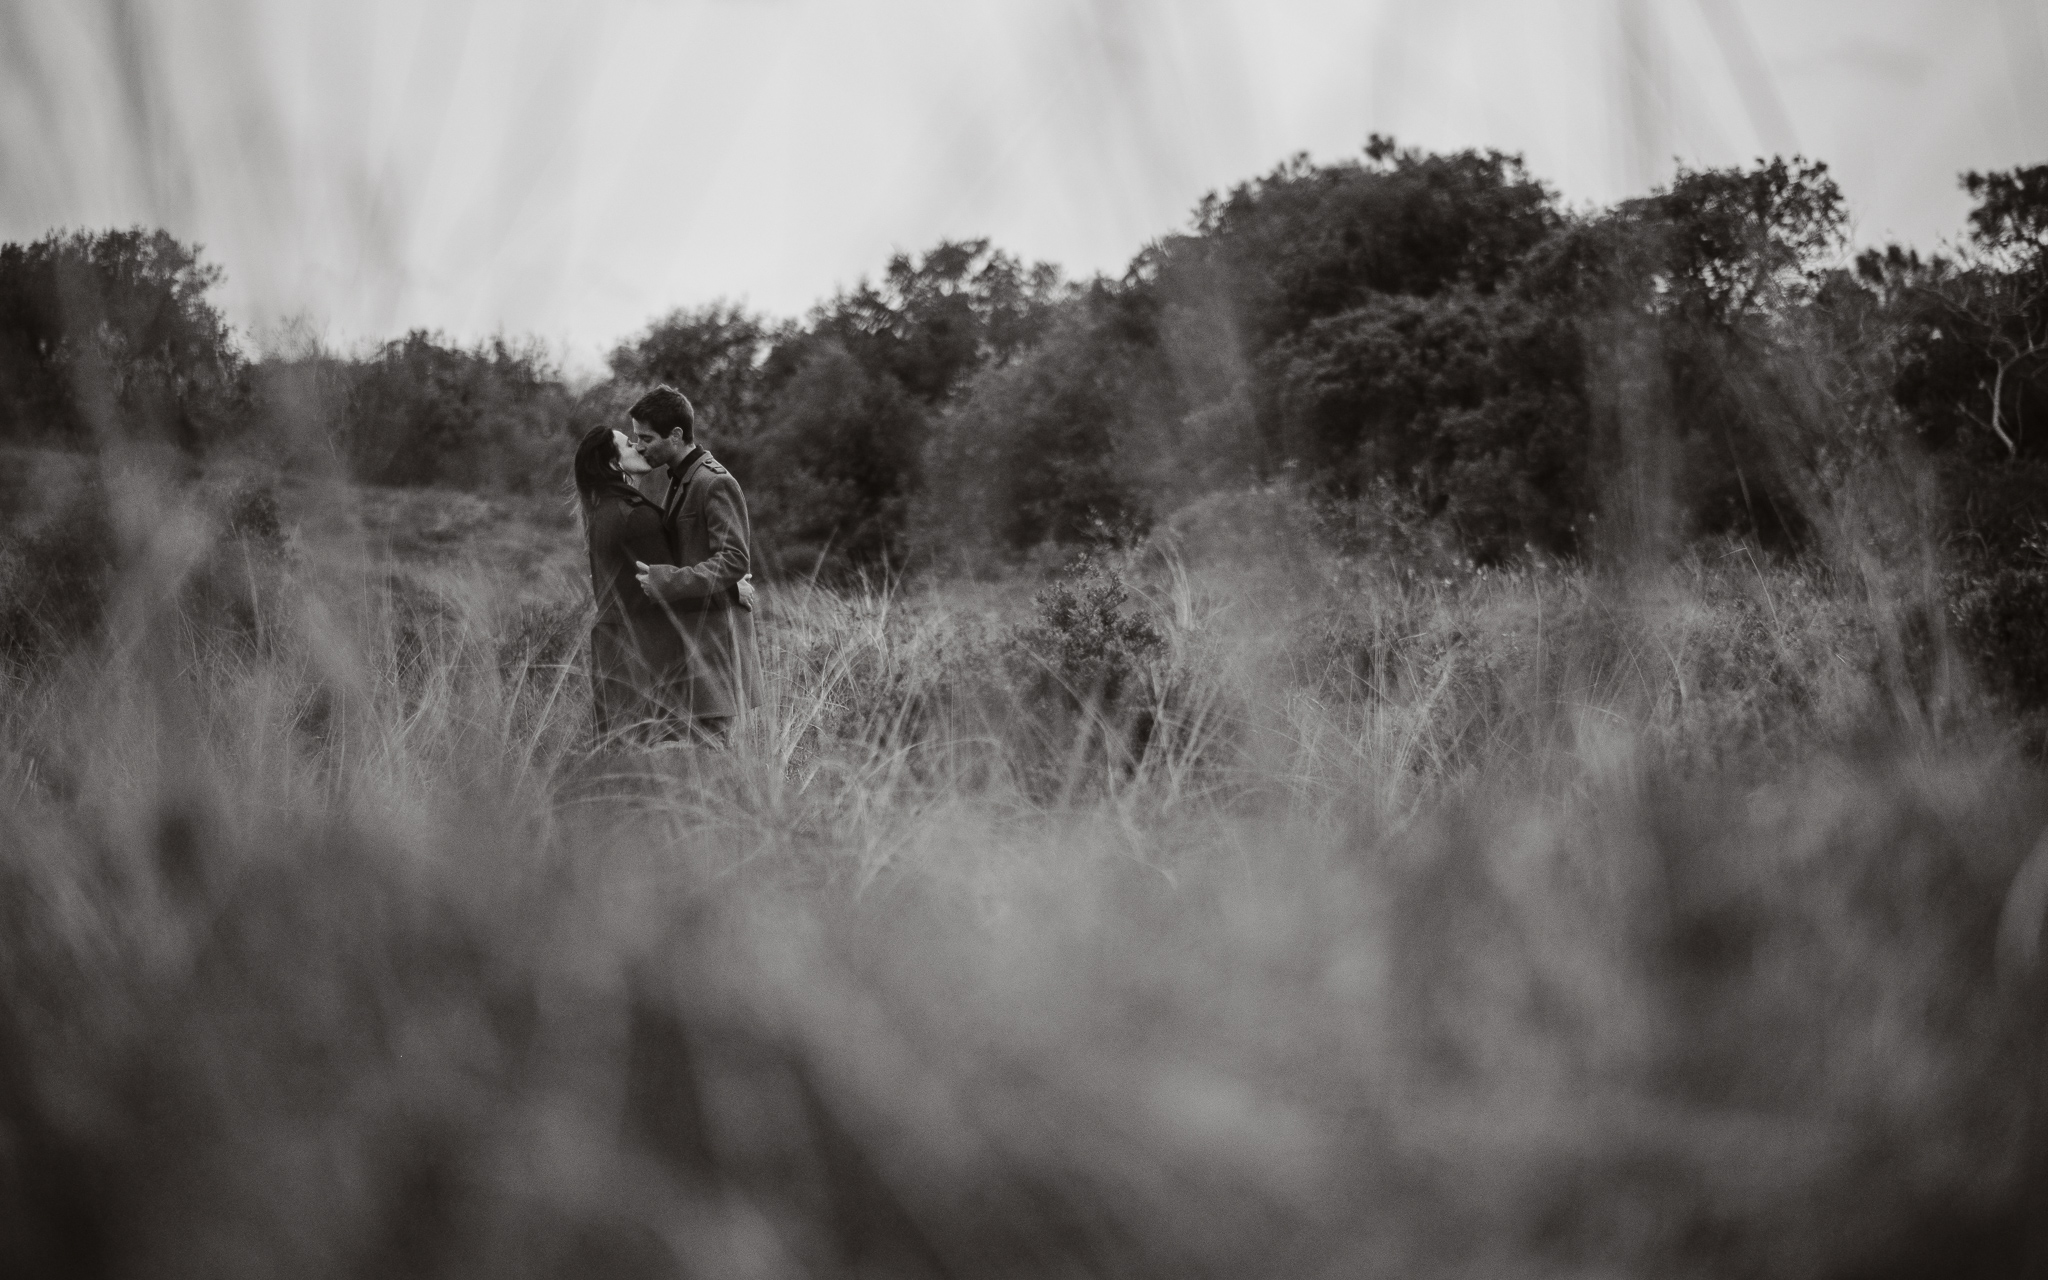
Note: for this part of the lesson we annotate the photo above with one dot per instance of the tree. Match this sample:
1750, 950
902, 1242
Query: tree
841, 447
1984, 319
425, 411
1719, 246
1999, 322
713, 355
2010, 222
935, 319
1037, 451
110, 333
1471, 402
1309, 241
1693, 308
846, 404
1738, 244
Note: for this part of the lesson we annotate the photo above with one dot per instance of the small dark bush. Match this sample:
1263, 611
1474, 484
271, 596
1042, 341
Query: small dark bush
421, 624
541, 634
1085, 640
2002, 616
1997, 512
110, 333
1085, 665
58, 574
231, 597
56, 577
1998, 598
251, 515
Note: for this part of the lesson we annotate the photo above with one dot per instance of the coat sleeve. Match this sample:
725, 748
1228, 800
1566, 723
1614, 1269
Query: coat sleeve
726, 530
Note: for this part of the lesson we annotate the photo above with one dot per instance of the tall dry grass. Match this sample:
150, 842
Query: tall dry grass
1525, 923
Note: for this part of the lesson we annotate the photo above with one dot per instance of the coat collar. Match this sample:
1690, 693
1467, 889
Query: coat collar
679, 477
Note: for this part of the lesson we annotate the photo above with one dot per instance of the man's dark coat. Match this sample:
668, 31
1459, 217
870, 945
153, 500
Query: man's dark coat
709, 538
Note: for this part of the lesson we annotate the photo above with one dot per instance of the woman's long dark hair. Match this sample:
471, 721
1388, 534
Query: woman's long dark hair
597, 468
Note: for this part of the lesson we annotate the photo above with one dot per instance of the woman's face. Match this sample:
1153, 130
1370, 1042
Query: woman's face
630, 461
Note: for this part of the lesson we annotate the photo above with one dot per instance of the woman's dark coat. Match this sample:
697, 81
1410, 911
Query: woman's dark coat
639, 658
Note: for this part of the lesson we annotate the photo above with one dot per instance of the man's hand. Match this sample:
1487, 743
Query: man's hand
654, 580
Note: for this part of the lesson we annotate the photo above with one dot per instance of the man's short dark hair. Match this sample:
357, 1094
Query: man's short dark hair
665, 409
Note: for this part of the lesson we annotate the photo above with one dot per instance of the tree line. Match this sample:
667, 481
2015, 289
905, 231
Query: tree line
1435, 336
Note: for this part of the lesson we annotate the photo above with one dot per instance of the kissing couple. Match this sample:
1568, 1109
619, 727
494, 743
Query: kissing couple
672, 656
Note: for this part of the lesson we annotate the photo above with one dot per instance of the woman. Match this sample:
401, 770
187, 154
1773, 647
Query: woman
638, 657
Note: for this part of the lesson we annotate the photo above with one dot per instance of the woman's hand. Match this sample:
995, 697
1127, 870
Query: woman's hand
645, 574
747, 593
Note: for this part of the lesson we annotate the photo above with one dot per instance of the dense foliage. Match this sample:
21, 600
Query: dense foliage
110, 335
1428, 333
1435, 334
421, 411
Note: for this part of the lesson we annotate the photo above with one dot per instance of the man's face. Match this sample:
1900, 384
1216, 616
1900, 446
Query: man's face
659, 450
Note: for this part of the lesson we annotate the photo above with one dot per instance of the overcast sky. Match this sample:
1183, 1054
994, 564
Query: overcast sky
572, 169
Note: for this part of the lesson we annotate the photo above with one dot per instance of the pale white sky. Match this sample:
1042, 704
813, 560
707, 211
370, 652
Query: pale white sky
572, 169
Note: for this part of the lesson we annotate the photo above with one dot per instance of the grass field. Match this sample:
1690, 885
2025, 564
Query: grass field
1290, 915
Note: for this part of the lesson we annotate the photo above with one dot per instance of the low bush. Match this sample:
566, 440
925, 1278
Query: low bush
1088, 666
426, 411
58, 569
57, 576
2003, 618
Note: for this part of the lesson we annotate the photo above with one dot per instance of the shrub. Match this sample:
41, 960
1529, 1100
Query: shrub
56, 577
1040, 452
1996, 512
844, 444
250, 514
1087, 665
2003, 618
424, 411
541, 634
1998, 593
58, 573
110, 332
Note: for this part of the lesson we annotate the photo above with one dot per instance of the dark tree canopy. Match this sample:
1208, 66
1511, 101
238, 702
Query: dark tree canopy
2011, 216
110, 334
1433, 333
1434, 327
934, 319
1308, 241
1037, 451
1739, 243
847, 403
1975, 372
713, 355
1471, 401
837, 465
424, 410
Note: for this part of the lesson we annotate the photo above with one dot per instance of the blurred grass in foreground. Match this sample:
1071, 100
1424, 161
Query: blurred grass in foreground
1531, 923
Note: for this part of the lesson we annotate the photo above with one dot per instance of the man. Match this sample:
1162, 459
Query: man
706, 591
